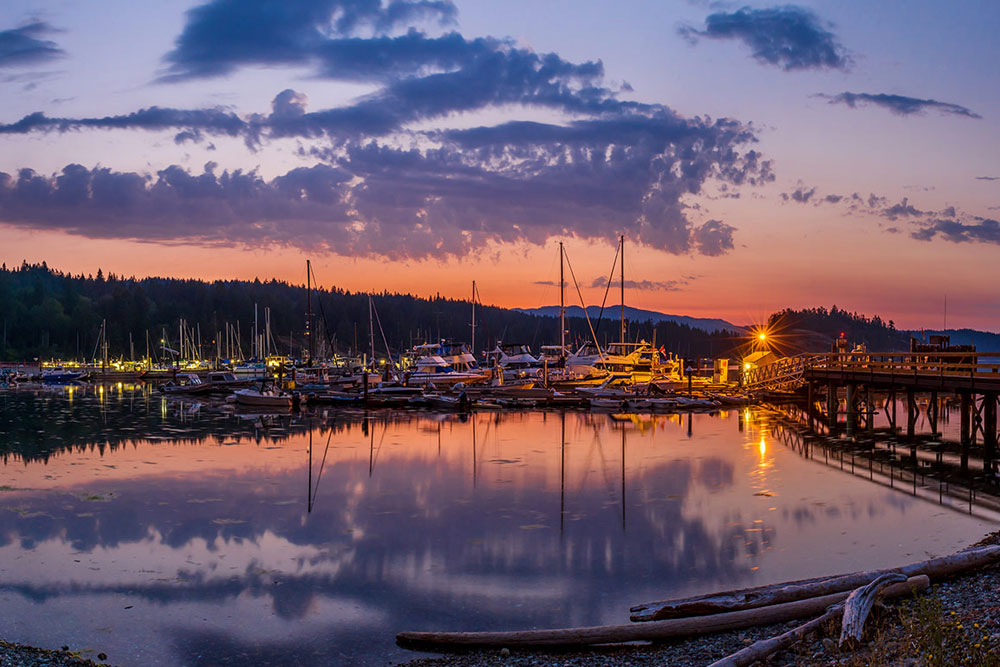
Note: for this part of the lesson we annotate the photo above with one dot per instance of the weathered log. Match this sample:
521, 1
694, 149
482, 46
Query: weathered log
616, 634
859, 604
767, 647
763, 596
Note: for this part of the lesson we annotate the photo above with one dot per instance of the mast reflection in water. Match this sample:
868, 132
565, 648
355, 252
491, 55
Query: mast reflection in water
162, 532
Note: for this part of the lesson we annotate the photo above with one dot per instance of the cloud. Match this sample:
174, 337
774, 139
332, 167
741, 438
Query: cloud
988, 178
623, 167
902, 210
22, 46
221, 36
983, 230
832, 199
216, 121
662, 285
372, 198
714, 237
800, 194
790, 37
608, 166
899, 104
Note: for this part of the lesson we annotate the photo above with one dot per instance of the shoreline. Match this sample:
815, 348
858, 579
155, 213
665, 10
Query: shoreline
967, 603
962, 613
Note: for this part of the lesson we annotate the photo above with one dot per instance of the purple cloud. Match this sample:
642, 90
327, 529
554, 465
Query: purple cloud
790, 37
983, 230
221, 36
22, 46
899, 104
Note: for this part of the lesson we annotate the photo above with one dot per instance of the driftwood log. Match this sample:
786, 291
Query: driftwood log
764, 596
615, 634
857, 605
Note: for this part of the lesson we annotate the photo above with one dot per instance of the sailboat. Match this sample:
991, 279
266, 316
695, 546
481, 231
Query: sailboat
640, 360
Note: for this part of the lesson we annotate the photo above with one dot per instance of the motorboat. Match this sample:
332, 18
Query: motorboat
56, 374
266, 396
515, 361
640, 360
430, 367
186, 384
226, 381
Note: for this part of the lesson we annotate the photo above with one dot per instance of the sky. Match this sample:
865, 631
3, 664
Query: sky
755, 156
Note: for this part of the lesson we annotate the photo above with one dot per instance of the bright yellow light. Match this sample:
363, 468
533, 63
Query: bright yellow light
762, 336
746, 367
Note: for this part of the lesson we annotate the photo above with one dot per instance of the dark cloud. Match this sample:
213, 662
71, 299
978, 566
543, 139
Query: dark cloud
790, 37
800, 195
982, 230
714, 237
221, 36
663, 285
988, 178
234, 207
216, 121
593, 180
899, 104
625, 169
902, 210
23, 46
615, 166
832, 199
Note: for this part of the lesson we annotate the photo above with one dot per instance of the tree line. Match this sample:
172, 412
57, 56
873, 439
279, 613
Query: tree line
47, 314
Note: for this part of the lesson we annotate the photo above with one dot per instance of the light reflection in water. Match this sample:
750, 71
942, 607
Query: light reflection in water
189, 535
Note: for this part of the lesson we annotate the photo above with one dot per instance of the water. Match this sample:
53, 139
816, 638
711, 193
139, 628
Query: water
162, 532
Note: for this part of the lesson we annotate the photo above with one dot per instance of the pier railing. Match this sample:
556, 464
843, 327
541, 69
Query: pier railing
945, 370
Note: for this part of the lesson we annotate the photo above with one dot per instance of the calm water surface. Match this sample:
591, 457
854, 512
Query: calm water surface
162, 532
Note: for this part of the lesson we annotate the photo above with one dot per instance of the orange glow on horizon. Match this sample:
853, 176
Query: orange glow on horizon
740, 287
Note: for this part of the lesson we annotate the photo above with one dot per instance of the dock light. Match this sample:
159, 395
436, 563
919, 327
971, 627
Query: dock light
762, 336
746, 367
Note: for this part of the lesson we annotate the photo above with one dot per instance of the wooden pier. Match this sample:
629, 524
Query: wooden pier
872, 382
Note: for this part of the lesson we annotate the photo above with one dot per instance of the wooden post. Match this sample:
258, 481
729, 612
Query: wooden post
831, 405
932, 413
911, 413
851, 391
894, 422
869, 409
989, 430
966, 428
810, 400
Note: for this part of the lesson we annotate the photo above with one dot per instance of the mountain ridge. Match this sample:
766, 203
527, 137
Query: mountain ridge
707, 324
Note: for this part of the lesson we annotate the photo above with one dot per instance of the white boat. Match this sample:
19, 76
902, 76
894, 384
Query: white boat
268, 398
641, 361
515, 361
431, 368
186, 383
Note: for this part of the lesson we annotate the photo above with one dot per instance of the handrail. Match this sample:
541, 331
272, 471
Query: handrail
937, 365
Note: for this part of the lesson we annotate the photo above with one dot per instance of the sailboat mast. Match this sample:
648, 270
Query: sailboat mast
309, 309
371, 328
562, 305
623, 287
473, 318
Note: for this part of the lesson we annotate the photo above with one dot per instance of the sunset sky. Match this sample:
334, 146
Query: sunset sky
754, 156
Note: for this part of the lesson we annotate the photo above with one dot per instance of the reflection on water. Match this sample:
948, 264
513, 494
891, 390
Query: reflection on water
160, 532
